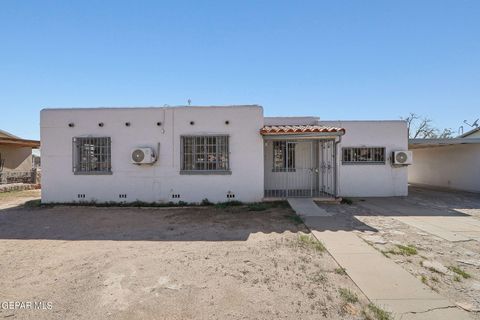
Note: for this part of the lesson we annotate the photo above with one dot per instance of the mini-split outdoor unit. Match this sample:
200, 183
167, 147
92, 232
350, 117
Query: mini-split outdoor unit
143, 156
402, 157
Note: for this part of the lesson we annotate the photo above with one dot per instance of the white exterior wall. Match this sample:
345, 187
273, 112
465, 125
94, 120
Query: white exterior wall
151, 183
455, 166
372, 180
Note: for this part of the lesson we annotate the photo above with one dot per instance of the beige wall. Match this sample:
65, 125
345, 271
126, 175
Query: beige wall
16, 158
455, 167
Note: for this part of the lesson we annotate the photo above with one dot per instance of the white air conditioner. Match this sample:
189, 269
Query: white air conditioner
143, 156
402, 157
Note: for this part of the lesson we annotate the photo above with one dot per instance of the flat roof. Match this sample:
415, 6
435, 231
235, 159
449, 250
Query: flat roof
431, 143
166, 106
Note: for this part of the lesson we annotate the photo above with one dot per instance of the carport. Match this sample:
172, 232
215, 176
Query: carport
447, 163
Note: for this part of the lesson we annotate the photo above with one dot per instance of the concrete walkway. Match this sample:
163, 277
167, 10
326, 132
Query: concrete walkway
447, 224
306, 207
383, 281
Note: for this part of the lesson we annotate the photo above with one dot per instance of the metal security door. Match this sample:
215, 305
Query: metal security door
294, 169
327, 172
302, 176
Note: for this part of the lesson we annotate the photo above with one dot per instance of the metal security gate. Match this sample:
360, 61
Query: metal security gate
327, 163
299, 168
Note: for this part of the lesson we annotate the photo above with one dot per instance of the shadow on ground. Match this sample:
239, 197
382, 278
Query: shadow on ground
143, 224
421, 202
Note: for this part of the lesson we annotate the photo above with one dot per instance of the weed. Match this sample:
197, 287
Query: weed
374, 312
434, 279
294, 218
424, 279
226, 204
318, 278
136, 204
308, 241
257, 206
33, 203
206, 202
278, 204
457, 278
347, 295
311, 294
346, 201
340, 271
460, 272
431, 269
408, 250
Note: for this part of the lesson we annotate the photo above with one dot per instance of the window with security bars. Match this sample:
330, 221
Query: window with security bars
92, 155
364, 155
283, 156
205, 153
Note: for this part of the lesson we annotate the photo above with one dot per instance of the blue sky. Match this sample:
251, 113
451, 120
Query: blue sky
337, 59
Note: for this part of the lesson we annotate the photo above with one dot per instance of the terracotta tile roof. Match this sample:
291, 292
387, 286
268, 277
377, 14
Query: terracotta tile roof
299, 129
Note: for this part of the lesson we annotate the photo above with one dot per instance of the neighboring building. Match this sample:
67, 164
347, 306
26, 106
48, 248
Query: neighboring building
447, 163
474, 133
15, 158
215, 153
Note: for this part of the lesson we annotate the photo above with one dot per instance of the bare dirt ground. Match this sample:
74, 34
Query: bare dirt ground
158, 263
449, 268
11, 199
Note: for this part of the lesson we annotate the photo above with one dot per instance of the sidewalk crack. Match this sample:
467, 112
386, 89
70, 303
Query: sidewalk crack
429, 310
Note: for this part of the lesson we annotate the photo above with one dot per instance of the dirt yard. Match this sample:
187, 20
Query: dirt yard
159, 263
451, 268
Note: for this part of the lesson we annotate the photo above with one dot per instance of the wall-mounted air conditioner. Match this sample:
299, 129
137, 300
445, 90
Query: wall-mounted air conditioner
143, 156
402, 157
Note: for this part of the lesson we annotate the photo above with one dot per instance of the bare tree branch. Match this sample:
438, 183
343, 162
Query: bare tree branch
422, 128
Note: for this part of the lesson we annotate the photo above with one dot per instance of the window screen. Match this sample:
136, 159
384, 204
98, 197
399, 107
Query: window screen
92, 155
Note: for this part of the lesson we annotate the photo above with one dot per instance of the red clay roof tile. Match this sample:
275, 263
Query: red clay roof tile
286, 129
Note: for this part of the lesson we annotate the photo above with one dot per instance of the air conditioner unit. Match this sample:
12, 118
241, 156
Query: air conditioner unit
143, 156
402, 157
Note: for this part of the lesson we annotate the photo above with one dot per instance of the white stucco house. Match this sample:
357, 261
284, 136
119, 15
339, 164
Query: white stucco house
162, 154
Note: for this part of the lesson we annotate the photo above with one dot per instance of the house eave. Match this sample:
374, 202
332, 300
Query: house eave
313, 135
19, 142
431, 143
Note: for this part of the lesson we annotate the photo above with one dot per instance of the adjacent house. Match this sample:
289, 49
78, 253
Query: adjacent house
447, 163
219, 153
16, 158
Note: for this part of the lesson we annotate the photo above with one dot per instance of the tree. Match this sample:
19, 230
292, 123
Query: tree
422, 128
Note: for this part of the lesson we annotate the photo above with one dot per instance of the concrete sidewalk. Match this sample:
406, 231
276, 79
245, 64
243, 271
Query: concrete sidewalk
306, 207
444, 223
383, 281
